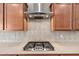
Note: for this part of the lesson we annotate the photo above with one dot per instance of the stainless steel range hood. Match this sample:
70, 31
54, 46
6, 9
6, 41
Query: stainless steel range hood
38, 15
38, 11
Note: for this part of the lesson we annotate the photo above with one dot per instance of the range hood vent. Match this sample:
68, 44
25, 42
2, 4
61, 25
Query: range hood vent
38, 11
38, 15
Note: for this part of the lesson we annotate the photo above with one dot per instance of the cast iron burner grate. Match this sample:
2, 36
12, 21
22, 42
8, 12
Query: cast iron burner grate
38, 46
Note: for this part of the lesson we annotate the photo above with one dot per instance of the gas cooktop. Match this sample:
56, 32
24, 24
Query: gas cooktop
38, 46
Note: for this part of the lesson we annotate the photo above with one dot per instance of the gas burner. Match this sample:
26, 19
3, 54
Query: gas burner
38, 46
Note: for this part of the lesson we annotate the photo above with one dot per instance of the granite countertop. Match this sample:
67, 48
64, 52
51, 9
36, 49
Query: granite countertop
60, 48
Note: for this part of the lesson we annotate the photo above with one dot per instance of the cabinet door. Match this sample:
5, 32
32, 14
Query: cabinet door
76, 16
1, 16
62, 19
14, 16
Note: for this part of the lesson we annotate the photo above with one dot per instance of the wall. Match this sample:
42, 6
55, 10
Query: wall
39, 30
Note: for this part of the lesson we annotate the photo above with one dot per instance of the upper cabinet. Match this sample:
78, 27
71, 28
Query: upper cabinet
25, 16
62, 16
14, 17
1, 16
76, 16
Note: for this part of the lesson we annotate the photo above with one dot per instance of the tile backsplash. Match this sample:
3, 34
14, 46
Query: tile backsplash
39, 30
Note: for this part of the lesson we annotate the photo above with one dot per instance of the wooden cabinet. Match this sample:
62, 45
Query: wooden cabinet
1, 16
25, 17
76, 16
14, 17
62, 16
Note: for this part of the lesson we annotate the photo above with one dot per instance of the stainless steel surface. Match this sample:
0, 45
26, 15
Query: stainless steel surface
38, 7
38, 46
38, 11
38, 15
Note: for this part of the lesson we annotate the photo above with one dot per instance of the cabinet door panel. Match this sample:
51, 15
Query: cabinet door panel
1, 16
62, 16
14, 17
76, 17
